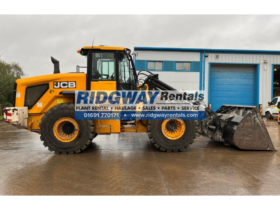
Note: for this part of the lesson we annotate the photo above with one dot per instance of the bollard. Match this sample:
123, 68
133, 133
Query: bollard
261, 110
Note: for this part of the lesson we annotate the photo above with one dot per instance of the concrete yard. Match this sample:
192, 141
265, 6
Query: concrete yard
126, 164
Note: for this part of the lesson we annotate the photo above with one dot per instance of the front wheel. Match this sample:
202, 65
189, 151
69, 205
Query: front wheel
171, 135
268, 116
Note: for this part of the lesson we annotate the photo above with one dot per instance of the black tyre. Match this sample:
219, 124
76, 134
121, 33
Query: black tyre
94, 135
172, 135
268, 115
60, 132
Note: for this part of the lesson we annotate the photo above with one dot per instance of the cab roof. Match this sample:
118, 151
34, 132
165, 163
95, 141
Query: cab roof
103, 48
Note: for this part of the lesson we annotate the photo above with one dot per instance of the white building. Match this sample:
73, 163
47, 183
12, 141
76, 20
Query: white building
240, 77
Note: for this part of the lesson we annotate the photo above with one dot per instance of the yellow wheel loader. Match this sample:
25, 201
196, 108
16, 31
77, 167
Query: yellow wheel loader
45, 105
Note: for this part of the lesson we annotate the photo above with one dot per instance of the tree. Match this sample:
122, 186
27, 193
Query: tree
9, 73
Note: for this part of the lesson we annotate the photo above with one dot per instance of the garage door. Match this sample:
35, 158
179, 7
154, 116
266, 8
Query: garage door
232, 84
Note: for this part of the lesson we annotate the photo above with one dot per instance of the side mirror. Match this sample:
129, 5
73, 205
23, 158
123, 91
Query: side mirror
269, 103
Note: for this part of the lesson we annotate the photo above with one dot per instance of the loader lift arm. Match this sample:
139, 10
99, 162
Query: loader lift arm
152, 81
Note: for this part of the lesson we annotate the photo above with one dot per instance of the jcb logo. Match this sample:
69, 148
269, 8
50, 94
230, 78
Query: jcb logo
64, 85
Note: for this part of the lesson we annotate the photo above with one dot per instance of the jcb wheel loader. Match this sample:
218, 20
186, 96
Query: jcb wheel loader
45, 105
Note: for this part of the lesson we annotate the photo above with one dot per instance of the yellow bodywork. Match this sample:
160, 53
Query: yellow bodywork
106, 126
113, 126
52, 97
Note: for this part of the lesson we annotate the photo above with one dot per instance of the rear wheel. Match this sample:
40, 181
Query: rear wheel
171, 135
60, 132
94, 135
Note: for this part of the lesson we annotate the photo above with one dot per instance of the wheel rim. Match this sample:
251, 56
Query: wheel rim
173, 129
66, 129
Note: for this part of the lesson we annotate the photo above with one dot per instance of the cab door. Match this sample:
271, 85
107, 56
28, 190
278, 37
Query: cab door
101, 76
126, 79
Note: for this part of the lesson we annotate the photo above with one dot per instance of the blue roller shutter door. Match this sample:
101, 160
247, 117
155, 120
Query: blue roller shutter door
232, 84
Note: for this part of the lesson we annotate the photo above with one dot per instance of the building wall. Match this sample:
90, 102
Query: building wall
198, 77
265, 76
181, 80
168, 56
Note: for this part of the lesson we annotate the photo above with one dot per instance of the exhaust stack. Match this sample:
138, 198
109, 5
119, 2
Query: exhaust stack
56, 65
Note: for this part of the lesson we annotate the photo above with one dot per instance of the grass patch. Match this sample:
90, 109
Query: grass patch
1, 117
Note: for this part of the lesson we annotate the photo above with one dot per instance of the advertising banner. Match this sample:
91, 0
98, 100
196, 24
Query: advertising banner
144, 105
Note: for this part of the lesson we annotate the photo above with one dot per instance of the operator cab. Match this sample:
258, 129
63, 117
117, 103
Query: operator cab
109, 65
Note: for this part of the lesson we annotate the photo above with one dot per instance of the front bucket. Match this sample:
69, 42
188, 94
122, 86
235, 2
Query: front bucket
241, 126
251, 133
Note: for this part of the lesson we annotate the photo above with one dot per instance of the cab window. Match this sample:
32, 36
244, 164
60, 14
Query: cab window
126, 79
103, 66
274, 101
124, 70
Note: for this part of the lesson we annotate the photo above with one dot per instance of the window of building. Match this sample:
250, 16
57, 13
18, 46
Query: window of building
154, 65
183, 66
151, 65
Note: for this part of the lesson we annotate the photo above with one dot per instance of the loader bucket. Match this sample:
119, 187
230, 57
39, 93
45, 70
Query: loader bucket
243, 127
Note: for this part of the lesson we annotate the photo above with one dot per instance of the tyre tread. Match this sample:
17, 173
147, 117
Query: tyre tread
161, 147
48, 114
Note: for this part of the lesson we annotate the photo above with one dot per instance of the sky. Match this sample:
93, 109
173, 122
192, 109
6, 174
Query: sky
30, 40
